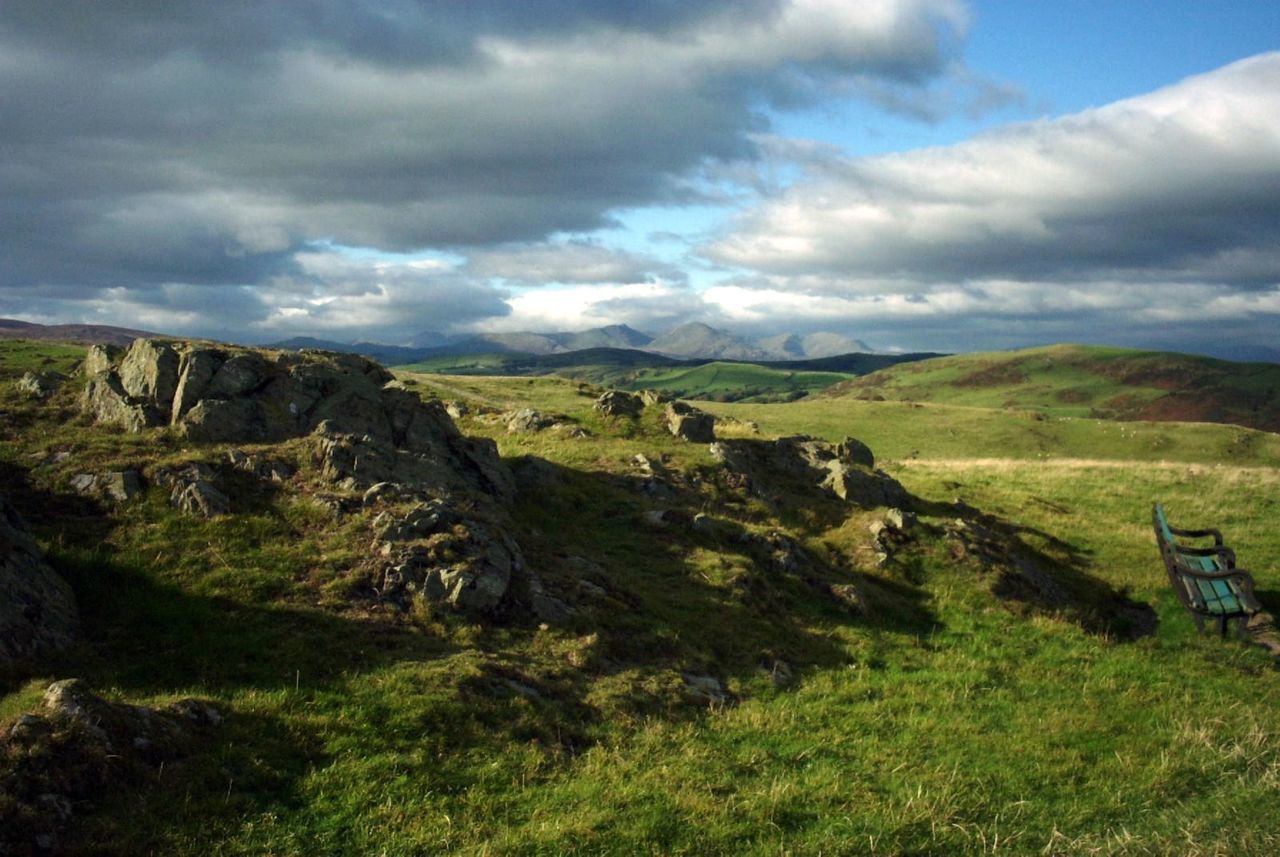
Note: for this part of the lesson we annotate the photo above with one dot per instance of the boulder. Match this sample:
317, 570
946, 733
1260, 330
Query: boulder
686, 421
200, 497
38, 611
106, 400
225, 420
100, 358
119, 486
653, 397
40, 385
149, 373
615, 403
471, 569
767, 465
527, 420
196, 370
239, 375
377, 431
79, 749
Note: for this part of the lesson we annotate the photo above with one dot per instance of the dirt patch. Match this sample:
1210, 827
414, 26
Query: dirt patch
993, 375
1073, 397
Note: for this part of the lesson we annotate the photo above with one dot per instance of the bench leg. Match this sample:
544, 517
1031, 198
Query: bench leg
1222, 627
1199, 620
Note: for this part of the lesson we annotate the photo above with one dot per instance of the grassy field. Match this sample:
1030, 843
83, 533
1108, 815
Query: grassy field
942, 719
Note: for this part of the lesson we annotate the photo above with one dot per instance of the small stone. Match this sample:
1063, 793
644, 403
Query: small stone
705, 689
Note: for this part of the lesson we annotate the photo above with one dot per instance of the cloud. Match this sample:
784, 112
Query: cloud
650, 306
1182, 184
209, 143
567, 262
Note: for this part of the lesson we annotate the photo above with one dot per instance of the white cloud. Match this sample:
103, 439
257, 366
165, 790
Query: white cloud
1183, 183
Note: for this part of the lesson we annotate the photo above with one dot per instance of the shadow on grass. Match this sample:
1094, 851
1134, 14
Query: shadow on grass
140, 637
712, 596
1040, 571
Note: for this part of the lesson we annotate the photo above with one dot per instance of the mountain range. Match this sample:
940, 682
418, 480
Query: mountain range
692, 340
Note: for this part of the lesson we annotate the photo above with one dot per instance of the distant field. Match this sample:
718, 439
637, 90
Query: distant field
735, 382
628, 369
1087, 381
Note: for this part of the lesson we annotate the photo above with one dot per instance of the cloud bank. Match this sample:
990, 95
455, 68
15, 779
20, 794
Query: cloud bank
1164, 208
207, 143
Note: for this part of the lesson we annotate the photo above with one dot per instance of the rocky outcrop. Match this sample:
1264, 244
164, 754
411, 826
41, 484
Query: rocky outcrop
453, 464
78, 749
840, 469
37, 608
686, 421
616, 403
434, 557
367, 436
374, 430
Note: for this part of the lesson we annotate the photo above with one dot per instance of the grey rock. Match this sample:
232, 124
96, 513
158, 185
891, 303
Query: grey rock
40, 385
653, 397
106, 400
457, 410
120, 486
38, 612
704, 689
200, 497
100, 358
84, 483
527, 420
687, 422
240, 374
149, 372
196, 370
225, 420
766, 465
87, 749
616, 403
853, 451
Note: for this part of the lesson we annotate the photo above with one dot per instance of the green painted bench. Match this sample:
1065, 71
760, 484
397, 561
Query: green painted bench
1205, 578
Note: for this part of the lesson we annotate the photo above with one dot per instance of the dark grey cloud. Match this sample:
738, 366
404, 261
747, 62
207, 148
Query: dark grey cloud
153, 144
568, 262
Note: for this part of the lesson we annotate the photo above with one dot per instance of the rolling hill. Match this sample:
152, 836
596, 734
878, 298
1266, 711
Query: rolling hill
1092, 381
629, 369
700, 652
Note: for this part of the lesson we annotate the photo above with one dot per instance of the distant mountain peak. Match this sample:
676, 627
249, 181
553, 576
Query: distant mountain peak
696, 339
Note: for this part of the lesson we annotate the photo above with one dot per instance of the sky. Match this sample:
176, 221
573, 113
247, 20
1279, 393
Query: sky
919, 174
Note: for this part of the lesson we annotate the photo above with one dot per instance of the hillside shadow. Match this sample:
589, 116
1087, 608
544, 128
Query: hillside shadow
139, 637
1039, 571
663, 587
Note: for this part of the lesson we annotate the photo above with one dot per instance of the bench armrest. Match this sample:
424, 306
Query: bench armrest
1200, 534
1225, 552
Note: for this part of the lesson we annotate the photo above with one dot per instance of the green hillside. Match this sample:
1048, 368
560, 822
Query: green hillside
1073, 380
1014, 673
629, 369
734, 382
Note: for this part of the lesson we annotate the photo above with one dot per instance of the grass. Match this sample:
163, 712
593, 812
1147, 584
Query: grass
946, 720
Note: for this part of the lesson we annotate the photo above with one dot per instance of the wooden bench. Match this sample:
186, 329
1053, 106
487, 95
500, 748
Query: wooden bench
1205, 578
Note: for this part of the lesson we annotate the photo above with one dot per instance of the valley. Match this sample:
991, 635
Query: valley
737, 660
